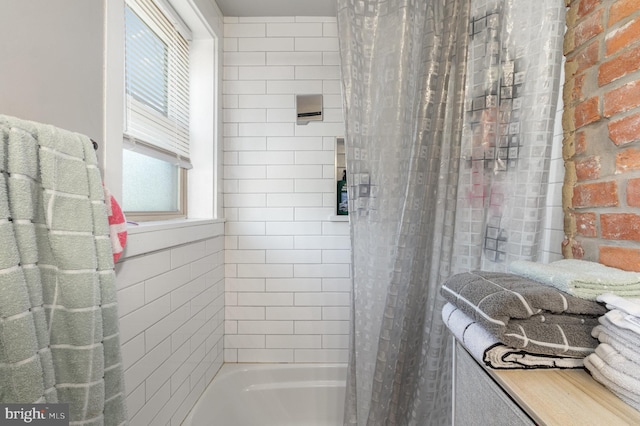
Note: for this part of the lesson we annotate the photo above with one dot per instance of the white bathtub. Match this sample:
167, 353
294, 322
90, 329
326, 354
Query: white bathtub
272, 395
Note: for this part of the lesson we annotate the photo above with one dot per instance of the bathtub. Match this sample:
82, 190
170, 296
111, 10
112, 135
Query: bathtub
272, 395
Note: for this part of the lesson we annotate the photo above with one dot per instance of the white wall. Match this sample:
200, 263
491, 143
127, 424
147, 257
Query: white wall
287, 263
51, 57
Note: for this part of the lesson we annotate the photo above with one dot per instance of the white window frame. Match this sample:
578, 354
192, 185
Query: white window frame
150, 132
204, 185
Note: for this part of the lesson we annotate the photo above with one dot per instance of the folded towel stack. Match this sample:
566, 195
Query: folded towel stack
616, 361
508, 321
580, 278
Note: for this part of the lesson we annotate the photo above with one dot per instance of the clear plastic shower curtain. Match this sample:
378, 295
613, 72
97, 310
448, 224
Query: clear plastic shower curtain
399, 63
513, 81
430, 90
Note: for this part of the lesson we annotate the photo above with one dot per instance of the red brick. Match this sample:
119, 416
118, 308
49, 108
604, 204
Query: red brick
622, 9
620, 257
601, 194
628, 160
576, 93
586, 224
622, 99
586, 57
581, 142
625, 130
588, 169
572, 249
587, 112
587, 6
620, 226
619, 66
633, 192
623, 37
588, 29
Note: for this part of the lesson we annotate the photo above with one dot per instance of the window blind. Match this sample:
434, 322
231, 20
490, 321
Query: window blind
157, 82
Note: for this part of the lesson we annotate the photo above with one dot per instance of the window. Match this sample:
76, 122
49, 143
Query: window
156, 134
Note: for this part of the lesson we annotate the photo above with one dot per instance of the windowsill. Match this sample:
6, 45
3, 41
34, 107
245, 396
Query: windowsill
159, 225
148, 237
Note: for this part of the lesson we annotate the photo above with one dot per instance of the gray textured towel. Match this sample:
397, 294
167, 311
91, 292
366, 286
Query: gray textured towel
59, 338
486, 348
524, 314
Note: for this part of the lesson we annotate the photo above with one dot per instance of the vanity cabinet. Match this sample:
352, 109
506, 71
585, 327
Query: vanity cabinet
478, 399
487, 397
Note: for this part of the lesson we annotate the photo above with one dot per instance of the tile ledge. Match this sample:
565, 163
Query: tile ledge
161, 225
153, 236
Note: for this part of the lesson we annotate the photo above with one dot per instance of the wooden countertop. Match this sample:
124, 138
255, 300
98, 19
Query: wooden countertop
564, 397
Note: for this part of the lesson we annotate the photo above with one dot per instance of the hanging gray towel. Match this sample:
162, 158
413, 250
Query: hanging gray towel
59, 338
524, 314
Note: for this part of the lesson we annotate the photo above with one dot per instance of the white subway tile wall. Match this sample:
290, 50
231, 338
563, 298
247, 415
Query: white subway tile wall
171, 307
287, 264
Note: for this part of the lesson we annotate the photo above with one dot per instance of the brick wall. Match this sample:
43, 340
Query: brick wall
601, 121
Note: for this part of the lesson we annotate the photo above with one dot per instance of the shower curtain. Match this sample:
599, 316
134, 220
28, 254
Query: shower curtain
443, 174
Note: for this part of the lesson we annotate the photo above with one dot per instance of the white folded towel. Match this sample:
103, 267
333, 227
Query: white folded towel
625, 387
628, 305
624, 320
618, 361
617, 341
471, 334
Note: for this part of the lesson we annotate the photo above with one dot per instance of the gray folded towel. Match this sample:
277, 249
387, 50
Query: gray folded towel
486, 348
524, 314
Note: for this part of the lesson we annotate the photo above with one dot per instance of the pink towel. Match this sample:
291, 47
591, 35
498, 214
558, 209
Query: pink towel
117, 225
